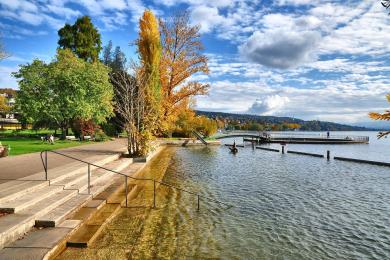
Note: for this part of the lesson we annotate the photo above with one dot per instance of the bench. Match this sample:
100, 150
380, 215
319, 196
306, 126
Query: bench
71, 138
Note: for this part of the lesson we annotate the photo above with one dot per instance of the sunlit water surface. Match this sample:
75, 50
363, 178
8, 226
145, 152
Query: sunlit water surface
285, 207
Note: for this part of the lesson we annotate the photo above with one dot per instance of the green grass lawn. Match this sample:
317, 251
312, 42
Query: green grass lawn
20, 145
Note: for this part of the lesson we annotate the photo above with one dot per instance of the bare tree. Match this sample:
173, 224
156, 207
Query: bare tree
130, 105
386, 3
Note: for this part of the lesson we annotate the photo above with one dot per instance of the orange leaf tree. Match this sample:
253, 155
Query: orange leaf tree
181, 58
384, 116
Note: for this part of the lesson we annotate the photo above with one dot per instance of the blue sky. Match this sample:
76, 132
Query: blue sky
317, 59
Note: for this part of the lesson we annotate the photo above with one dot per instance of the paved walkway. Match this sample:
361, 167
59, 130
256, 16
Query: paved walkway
20, 166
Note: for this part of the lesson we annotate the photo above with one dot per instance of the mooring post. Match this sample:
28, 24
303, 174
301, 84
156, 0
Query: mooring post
89, 178
126, 189
282, 149
328, 155
154, 193
46, 168
198, 202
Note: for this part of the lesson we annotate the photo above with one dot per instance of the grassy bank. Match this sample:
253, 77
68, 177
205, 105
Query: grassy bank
21, 145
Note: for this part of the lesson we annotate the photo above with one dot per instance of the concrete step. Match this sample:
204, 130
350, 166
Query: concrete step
39, 243
57, 215
89, 231
17, 189
100, 179
15, 225
28, 199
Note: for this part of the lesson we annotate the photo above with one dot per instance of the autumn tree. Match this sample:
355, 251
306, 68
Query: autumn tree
82, 38
181, 58
3, 104
385, 116
149, 49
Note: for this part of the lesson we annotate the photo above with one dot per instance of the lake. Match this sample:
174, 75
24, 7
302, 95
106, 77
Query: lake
285, 207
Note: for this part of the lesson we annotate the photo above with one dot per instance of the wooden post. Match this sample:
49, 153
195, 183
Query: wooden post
328, 155
282, 149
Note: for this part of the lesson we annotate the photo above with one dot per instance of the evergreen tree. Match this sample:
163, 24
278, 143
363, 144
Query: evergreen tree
107, 55
118, 60
82, 38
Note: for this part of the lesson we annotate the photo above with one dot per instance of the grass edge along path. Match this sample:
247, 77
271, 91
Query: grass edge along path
21, 145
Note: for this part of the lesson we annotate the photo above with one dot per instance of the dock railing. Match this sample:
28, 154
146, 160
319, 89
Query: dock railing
287, 134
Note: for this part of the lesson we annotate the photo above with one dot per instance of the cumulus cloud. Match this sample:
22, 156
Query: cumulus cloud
207, 17
268, 105
282, 49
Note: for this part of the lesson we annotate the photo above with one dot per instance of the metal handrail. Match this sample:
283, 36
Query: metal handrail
45, 166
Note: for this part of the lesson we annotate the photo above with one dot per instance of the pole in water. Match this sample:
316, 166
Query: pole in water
328, 155
126, 189
282, 149
154, 193
198, 203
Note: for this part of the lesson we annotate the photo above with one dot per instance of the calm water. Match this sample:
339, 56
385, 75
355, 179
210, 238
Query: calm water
286, 207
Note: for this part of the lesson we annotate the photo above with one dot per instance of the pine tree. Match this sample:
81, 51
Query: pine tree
82, 38
107, 55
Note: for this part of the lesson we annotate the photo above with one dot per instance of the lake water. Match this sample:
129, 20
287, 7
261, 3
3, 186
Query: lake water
285, 207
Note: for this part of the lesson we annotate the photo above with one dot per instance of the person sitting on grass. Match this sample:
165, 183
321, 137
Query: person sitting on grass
51, 139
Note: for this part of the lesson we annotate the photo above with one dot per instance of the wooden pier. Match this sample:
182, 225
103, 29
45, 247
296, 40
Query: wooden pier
297, 138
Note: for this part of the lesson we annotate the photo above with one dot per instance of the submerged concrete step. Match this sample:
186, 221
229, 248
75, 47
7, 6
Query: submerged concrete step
57, 215
89, 231
17, 189
28, 199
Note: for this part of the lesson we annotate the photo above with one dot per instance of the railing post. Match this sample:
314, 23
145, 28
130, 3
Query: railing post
154, 193
198, 202
126, 189
46, 168
89, 178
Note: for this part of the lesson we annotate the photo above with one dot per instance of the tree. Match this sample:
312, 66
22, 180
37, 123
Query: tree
385, 116
386, 3
119, 60
149, 49
107, 54
3, 104
64, 90
82, 38
3, 53
181, 58
130, 105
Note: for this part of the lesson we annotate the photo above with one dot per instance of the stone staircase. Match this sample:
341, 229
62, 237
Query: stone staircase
29, 201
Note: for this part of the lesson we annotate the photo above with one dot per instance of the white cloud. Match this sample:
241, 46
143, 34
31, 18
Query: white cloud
269, 105
208, 18
280, 49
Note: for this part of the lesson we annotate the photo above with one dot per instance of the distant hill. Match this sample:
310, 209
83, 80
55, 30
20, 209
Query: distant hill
313, 125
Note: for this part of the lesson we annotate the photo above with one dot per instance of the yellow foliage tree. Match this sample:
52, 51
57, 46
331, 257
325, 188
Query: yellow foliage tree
3, 104
181, 58
384, 116
149, 49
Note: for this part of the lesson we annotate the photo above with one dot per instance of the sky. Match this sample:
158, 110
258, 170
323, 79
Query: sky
309, 59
